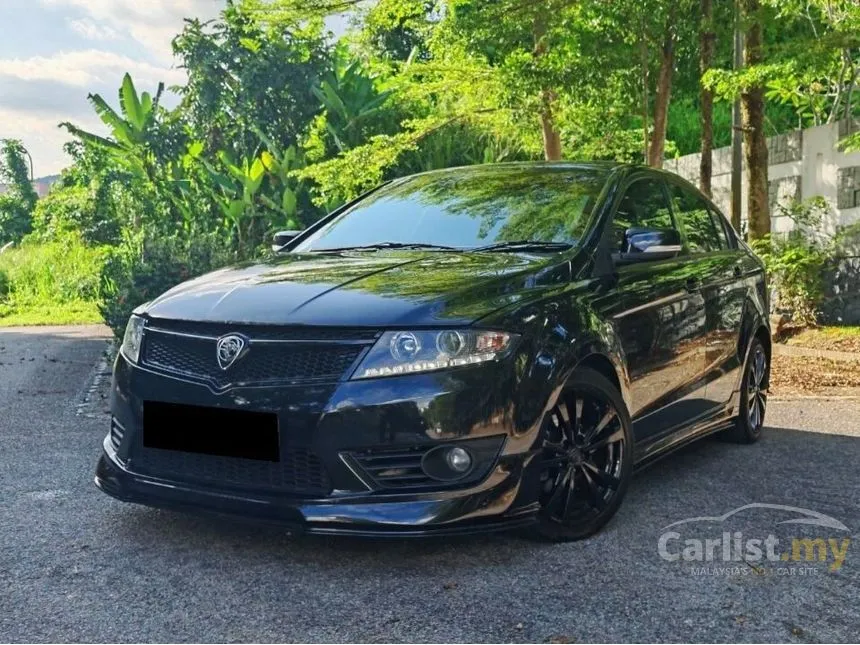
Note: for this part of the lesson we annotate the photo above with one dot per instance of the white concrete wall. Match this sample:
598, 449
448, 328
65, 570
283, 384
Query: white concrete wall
802, 164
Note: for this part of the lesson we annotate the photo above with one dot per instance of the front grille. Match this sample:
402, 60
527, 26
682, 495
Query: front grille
265, 332
299, 472
268, 361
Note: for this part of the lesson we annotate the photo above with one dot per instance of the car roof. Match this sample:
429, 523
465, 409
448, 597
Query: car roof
513, 166
615, 169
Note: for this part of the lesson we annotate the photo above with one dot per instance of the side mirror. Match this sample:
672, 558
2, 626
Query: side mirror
283, 238
644, 244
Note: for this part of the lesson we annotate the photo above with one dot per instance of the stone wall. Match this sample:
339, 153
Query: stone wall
842, 292
802, 164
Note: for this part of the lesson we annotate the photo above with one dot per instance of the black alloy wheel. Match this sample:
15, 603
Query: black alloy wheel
587, 458
753, 397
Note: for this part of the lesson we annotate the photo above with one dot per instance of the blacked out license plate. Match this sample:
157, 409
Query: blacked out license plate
212, 431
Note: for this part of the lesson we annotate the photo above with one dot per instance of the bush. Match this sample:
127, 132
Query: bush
794, 265
796, 262
75, 208
60, 272
4, 285
142, 269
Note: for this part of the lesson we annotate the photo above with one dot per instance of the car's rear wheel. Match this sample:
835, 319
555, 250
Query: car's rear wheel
753, 398
587, 459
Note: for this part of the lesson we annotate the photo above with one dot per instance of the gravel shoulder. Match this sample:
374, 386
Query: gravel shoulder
76, 565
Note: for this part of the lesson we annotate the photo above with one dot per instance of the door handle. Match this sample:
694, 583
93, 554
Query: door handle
692, 284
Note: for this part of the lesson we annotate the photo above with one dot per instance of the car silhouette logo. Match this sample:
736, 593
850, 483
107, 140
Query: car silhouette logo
230, 349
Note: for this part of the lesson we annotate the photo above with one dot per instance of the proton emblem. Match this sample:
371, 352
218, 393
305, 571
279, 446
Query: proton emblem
230, 349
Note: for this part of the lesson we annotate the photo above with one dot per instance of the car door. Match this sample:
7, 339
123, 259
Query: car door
659, 314
719, 261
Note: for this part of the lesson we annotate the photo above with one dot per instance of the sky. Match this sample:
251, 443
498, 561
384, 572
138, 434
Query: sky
54, 52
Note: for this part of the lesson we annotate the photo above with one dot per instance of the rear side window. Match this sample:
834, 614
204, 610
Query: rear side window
704, 233
724, 229
644, 205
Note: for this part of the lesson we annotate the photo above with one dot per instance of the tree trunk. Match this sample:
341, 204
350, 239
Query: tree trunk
752, 117
707, 39
852, 76
551, 137
643, 49
662, 95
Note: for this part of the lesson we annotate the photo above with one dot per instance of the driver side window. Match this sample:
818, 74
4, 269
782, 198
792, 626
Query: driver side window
644, 205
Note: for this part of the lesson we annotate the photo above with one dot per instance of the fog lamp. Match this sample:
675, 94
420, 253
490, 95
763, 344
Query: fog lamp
458, 459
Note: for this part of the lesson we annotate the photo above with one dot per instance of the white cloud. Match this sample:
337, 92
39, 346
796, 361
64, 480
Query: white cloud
91, 31
152, 23
87, 68
38, 92
42, 138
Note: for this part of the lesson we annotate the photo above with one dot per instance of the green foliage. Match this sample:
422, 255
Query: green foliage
851, 143
729, 85
131, 130
685, 127
5, 285
51, 276
249, 70
813, 52
794, 265
278, 123
69, 209
141, 269
345, 177
399, 29
795, 262
17, 203
351, 100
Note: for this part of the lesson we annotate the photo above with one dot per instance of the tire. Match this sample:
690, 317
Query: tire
587, 441
753, 396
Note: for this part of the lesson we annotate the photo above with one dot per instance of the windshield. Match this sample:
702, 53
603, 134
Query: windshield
468, 208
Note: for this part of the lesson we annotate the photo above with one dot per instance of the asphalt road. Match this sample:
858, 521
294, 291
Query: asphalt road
76, 565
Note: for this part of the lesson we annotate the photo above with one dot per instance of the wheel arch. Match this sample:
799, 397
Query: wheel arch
602, 365
756, 327
763, 334
606, 362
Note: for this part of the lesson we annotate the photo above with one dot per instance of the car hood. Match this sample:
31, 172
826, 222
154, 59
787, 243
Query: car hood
383, 288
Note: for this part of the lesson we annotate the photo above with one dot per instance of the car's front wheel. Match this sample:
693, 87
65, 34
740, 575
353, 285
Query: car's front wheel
587, 458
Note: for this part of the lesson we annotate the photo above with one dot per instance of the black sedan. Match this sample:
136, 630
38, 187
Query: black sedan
458, 351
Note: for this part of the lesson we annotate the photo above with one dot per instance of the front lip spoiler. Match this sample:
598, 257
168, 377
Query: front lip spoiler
114, 480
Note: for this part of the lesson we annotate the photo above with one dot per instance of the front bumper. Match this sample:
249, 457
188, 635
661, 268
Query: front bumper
418, 517
340, 419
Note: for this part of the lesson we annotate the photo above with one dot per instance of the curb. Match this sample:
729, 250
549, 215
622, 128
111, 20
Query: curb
792, 350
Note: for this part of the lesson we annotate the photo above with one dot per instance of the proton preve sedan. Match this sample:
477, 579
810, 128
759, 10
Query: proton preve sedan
472, 349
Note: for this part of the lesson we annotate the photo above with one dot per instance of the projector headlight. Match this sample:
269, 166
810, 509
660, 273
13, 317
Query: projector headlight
133, 338
407, 352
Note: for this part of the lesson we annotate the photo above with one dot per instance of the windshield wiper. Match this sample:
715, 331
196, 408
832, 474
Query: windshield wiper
390, 245
525, 245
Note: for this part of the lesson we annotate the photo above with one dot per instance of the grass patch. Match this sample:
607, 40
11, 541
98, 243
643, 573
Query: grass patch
839, 332
71, 313
839, 338
55, 283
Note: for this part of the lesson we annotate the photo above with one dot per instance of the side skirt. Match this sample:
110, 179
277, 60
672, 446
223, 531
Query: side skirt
666, 445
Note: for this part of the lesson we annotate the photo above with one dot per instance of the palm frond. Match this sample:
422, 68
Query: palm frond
88, 137
130, 103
